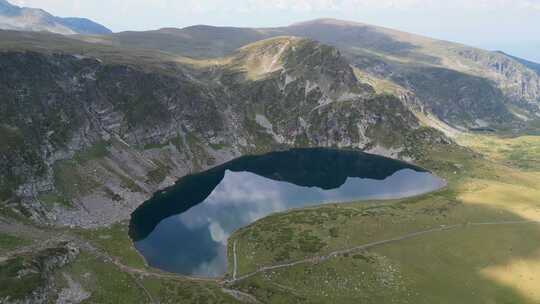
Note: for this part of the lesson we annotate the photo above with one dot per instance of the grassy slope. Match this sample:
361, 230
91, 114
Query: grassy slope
470, 264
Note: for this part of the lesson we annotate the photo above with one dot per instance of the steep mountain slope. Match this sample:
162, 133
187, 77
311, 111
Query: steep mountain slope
13, 17
481, 88
419, 63
91, 137
531, 65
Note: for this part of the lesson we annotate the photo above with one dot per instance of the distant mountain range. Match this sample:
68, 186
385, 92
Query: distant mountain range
463, 86
13, 17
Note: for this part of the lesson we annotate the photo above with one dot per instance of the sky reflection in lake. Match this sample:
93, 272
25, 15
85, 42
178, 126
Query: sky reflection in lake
194, 242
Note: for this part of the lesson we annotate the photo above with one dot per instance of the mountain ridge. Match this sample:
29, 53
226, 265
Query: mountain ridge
384, 56
530, 64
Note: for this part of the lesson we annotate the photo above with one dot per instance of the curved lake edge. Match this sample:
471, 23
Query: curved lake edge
222, 278
368, 203
217, 173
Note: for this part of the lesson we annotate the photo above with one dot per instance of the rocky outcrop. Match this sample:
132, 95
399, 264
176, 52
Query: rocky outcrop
34, 272
519, 83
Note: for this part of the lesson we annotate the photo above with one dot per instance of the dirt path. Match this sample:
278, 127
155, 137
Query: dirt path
137, 271
235, 260
276, 58
141, 286
321, 258
241, 296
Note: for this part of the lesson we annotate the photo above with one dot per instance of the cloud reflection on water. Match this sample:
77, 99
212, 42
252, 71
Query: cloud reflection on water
195, 241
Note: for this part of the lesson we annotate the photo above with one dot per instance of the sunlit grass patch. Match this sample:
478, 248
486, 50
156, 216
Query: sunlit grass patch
519, 199
521, 152
520, 273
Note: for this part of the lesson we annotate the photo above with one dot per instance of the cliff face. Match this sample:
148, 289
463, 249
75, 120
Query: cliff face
89, 141
517, 81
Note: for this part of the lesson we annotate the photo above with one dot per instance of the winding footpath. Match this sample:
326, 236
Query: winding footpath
317, 259
235, 260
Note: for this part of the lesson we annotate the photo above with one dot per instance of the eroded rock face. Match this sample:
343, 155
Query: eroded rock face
516, 80
88, 141
73, 293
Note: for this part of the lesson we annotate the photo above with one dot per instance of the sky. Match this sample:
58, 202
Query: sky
512, 26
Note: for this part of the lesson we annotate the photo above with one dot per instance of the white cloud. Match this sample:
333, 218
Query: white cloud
199, 6
327, 5
217, 233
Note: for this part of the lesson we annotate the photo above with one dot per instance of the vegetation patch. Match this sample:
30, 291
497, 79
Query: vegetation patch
9, 242
70, 182
105, 282
52, 199
151, 146
96, 151
157, 175
18, 279
169, 291
520, 152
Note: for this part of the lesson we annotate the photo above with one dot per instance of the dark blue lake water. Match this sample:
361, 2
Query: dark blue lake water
184, 229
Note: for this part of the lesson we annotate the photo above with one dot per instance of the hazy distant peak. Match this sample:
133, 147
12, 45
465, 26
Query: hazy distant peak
13, 17
329, 21
7, 8
4, 3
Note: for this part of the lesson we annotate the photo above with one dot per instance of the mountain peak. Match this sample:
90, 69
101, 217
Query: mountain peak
5, 3
265, 56
35, 19
8, 9
296, 58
